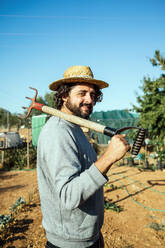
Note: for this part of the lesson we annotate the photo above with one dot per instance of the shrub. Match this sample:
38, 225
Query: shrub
17, 158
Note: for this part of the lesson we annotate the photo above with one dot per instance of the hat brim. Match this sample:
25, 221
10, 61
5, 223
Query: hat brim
101, 84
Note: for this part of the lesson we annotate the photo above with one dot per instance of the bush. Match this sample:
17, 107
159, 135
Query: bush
17, 158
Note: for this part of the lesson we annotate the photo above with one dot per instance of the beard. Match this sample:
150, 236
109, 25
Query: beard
77, 110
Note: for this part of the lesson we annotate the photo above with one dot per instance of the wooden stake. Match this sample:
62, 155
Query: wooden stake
28, 163
2, 157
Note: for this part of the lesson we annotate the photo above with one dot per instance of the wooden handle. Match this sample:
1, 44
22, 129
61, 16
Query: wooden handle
74, 119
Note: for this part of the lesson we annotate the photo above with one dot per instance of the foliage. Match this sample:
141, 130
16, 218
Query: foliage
159, 148
131, 135
18, 204
49, 98
112, 206
158, 60
130, 161
3, 116
111, 186
152, 104
6, 219
7, 120
17, 158
156, 226
153, 167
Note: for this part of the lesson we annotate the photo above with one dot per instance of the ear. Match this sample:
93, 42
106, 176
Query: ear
64, 98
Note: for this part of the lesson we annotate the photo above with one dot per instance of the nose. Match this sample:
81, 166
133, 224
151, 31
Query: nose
88, 98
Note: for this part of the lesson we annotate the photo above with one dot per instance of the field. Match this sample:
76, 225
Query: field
138, 197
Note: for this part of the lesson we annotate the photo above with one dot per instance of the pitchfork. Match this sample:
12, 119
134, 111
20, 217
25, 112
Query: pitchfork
86, 123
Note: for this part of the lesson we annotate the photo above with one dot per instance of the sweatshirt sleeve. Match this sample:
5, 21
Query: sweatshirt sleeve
72, 184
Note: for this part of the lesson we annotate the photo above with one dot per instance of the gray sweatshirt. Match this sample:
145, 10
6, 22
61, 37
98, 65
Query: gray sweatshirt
70, 186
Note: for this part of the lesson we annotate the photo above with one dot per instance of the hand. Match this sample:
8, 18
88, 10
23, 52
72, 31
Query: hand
116, 150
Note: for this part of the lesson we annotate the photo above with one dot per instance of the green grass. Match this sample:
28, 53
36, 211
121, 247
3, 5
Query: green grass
156, 226
112, 206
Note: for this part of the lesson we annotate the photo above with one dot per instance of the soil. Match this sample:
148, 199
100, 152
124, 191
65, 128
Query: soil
138, 222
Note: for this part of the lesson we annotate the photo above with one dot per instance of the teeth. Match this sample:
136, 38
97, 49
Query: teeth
138, 142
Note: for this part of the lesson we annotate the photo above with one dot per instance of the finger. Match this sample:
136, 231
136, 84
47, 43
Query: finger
125, 142
129, 146
122, 138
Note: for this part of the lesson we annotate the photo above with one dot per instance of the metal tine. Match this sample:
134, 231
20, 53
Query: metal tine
36, 92
32, 88
28, 98
33, 101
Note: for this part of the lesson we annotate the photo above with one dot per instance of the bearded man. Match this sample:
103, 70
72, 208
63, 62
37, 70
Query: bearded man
70, 177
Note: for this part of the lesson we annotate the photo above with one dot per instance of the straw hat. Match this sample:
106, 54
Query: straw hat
78, 74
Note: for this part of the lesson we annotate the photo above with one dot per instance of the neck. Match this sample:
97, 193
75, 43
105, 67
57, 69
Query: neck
66, 110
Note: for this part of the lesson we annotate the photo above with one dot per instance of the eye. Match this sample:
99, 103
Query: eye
93, 95
82, 93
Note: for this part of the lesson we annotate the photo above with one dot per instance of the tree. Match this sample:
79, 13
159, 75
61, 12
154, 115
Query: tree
3, 117
158, 60
152, 104
8, 120
49, 99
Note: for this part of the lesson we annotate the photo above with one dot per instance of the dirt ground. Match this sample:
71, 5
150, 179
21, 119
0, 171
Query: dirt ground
140, 195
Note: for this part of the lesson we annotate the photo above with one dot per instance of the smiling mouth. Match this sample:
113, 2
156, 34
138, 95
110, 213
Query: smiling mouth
86, 108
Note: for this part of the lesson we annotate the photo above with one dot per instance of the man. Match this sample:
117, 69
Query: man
70, 176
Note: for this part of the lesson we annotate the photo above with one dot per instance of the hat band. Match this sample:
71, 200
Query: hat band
82, 76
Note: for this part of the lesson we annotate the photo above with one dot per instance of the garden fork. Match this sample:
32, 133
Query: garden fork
86, 123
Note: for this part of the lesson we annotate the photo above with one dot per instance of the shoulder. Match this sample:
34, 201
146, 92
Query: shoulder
58, 133
57, 127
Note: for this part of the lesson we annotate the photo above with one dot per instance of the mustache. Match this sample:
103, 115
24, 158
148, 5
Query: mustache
86, 104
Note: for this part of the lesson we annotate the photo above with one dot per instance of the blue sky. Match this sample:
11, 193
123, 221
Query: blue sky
40, 39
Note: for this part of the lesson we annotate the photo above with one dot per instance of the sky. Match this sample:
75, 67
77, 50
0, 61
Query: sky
40, 39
